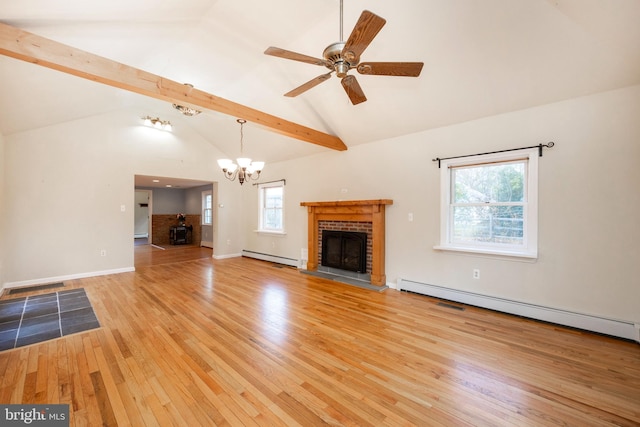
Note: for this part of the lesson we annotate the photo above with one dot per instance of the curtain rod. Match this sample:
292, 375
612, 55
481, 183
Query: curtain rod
539, 147
284, 181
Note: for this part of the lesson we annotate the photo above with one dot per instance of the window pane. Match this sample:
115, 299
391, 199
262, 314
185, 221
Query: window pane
273, 219
273, 197
488, 224
207, 211
489, 183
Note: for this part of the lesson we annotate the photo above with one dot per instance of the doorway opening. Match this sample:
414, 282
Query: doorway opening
163, 205
142, 223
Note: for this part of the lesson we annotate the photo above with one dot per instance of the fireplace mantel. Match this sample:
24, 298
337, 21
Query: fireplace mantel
350, 210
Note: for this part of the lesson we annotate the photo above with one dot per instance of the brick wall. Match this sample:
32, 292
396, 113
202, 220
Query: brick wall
160, 225
358, 226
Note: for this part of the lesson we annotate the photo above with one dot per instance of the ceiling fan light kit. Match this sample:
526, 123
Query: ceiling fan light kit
340, 57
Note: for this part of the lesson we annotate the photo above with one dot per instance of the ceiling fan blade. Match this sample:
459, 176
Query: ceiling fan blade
363, 33
353, 89
308, 85
287, 54
408, 69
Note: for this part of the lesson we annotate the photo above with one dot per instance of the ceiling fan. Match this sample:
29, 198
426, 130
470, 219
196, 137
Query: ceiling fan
343, 56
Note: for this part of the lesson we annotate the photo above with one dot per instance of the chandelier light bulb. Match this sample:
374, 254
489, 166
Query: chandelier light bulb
224, 163
243, 162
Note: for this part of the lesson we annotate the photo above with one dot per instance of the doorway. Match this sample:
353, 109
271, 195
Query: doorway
142, 211
159, 201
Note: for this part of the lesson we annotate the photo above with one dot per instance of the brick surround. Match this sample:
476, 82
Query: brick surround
160, 225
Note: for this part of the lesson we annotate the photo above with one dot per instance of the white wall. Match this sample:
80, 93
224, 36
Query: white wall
65, 186
589, 238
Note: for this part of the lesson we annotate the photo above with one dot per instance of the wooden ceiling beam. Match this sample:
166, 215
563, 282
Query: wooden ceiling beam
26, 46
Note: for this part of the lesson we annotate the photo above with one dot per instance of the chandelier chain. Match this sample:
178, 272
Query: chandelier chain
242, 122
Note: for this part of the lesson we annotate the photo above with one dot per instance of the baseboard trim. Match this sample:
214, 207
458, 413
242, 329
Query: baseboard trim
614, 327
272, 258
206, 244
40, 281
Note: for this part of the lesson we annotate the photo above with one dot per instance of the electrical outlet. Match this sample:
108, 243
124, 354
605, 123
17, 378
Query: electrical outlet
476, 273
103, 252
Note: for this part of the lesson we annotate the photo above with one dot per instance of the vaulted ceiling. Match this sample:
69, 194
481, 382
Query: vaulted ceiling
481, 58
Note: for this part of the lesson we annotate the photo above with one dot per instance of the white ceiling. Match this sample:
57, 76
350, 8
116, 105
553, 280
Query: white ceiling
481, 58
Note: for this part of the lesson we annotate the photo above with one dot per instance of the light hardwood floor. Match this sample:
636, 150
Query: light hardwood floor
242, 342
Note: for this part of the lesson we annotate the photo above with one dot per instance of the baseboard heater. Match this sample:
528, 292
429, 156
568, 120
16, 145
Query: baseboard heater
613, 327
272, 258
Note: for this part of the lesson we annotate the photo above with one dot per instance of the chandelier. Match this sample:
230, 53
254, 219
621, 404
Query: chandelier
245, 169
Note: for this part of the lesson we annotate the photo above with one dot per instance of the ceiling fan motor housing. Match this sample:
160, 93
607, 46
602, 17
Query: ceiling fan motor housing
335, 60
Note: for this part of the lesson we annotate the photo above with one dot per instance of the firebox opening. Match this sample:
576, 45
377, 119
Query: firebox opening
346, 250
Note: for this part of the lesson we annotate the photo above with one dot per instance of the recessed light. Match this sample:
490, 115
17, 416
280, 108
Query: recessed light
156, 180
168, 185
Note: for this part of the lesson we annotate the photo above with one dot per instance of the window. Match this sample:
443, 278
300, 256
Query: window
207, 210
272, 207
489, 204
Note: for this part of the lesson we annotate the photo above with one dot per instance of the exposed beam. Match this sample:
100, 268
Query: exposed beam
26, 46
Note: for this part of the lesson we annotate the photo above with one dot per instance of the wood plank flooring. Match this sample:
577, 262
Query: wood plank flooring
240, 342
147, 255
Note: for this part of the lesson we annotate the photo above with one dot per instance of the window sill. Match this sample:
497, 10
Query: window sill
486, 251
271, 232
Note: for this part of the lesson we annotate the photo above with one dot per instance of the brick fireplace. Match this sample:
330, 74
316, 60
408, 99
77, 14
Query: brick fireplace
355, 215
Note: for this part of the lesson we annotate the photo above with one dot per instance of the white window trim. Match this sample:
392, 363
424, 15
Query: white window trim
261, 188
529, 249
202, 205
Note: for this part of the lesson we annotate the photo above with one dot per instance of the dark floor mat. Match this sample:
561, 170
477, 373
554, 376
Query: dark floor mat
38, 318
